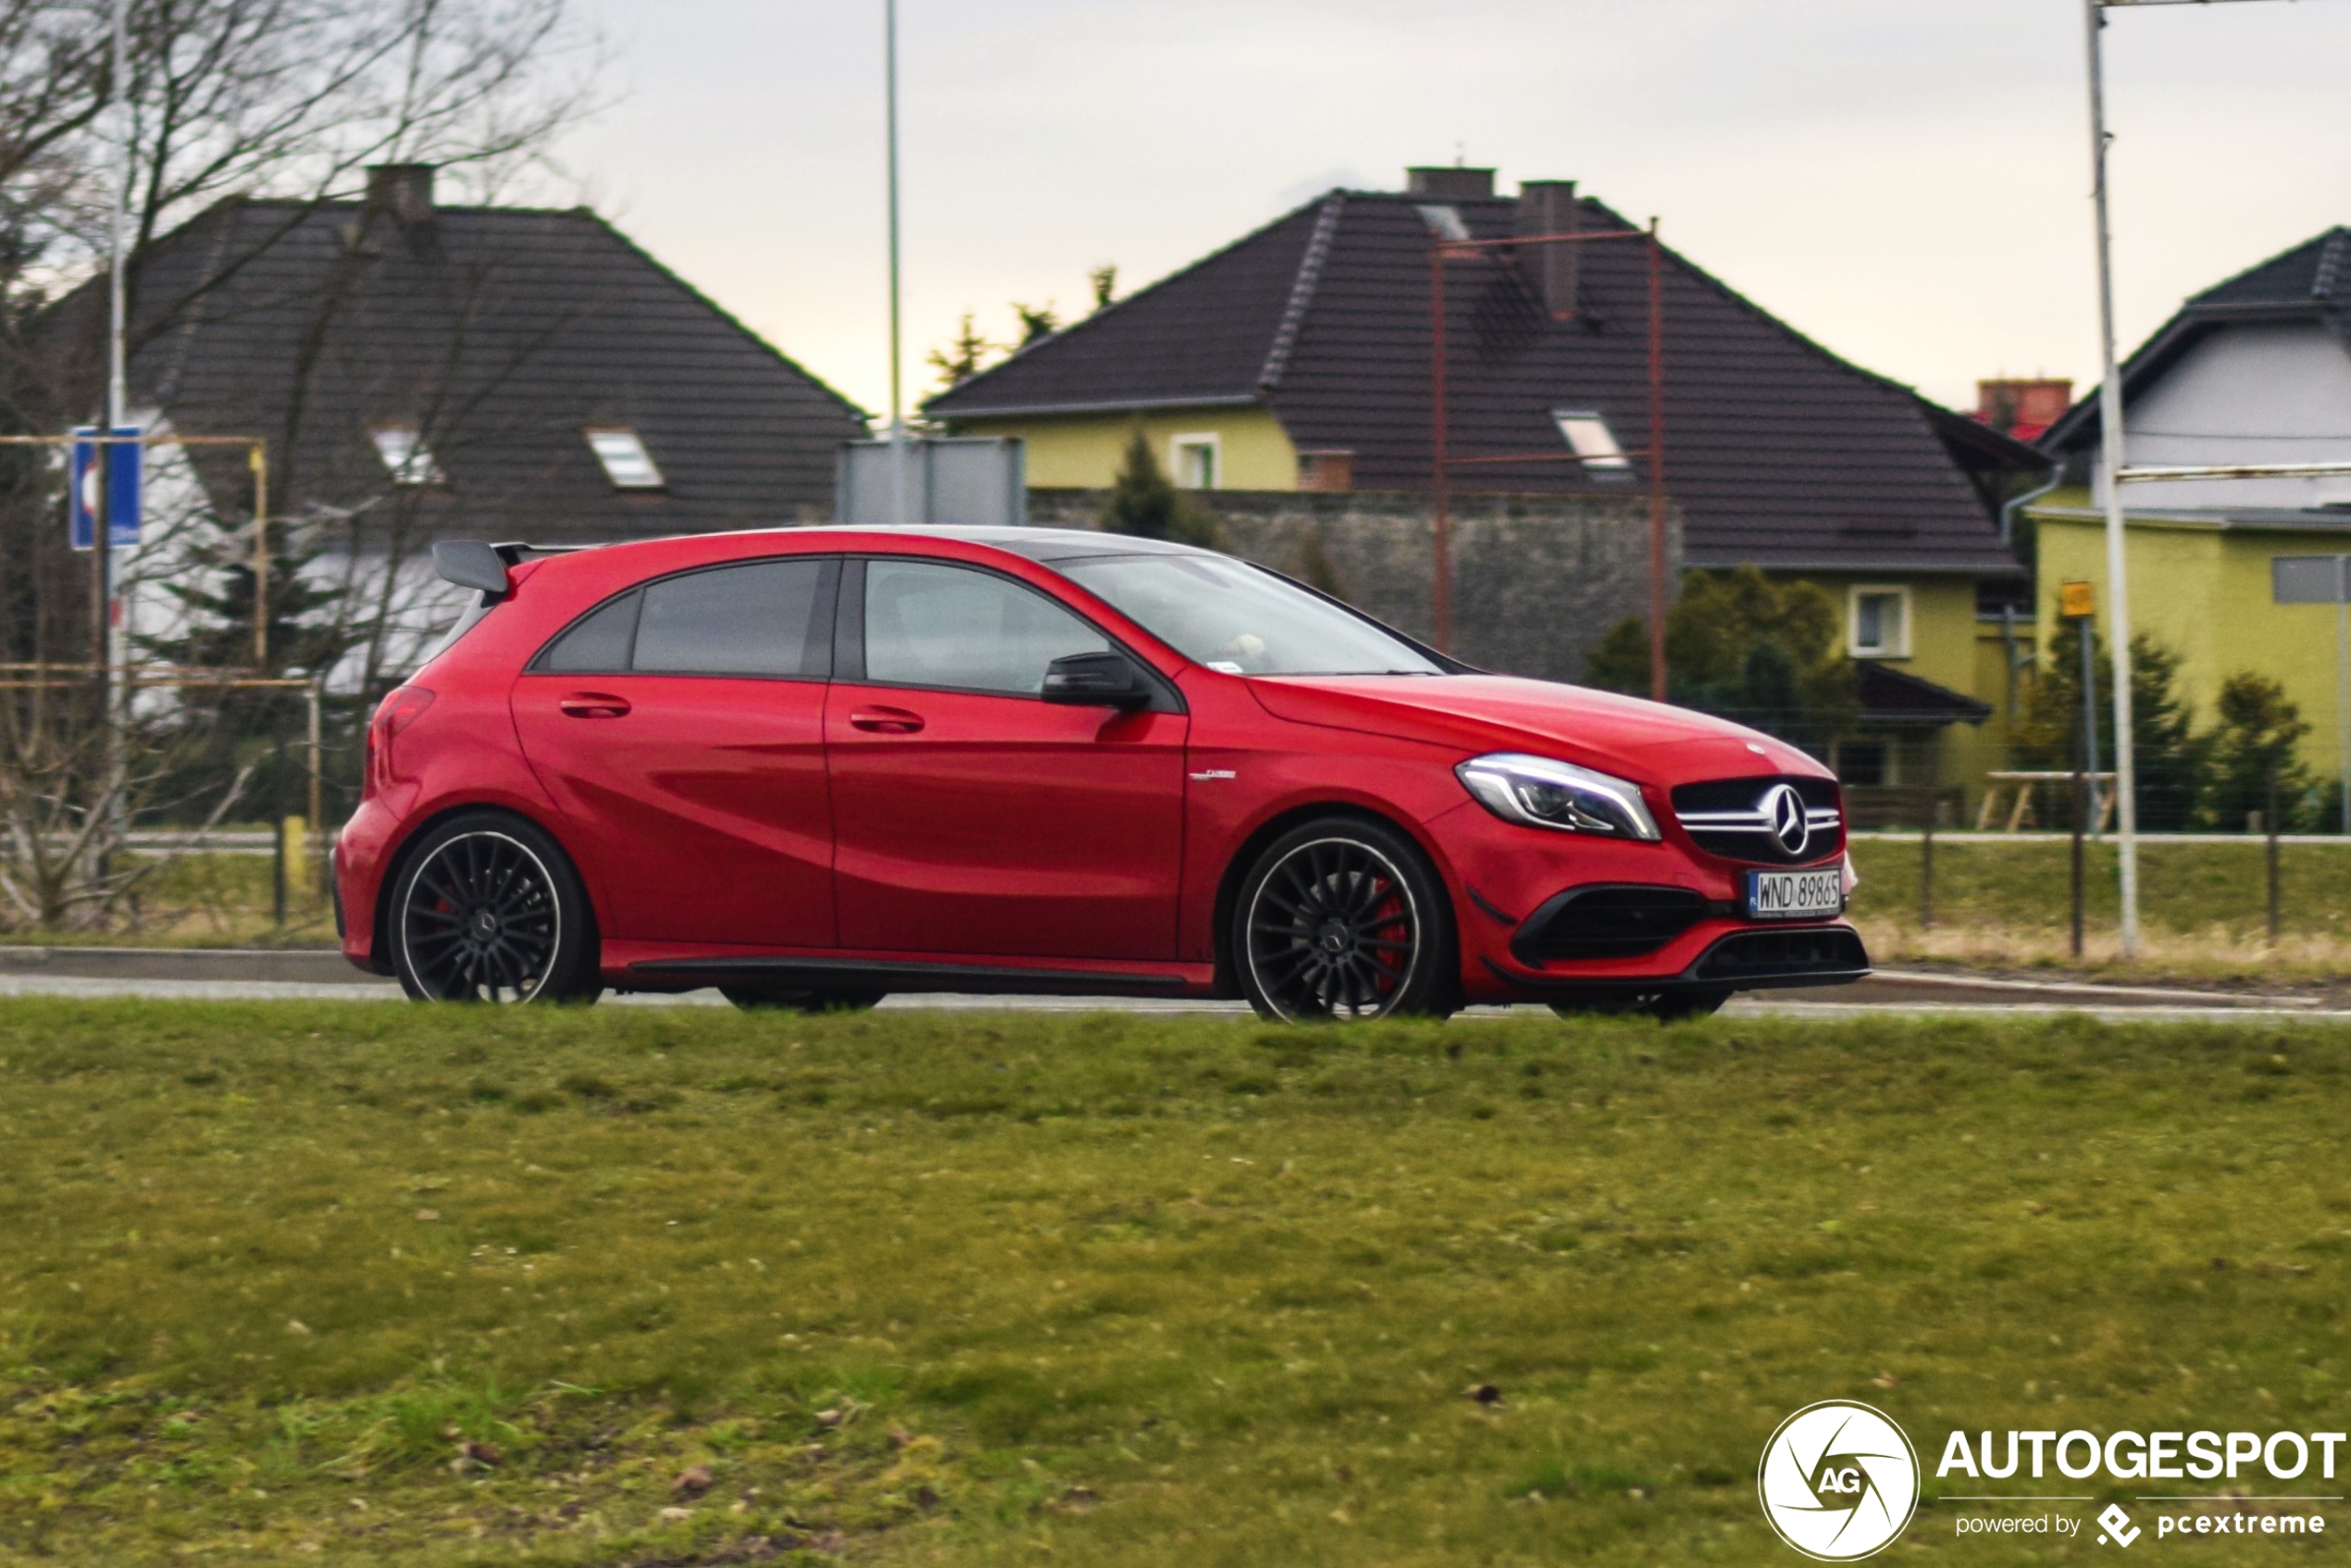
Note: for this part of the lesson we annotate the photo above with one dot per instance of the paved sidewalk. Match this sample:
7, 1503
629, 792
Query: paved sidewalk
312, 975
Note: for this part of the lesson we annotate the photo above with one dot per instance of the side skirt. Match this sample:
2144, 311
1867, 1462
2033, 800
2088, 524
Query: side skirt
854, 974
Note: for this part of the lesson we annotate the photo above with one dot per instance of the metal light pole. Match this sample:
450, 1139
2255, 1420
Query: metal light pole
900, 497
2110, 459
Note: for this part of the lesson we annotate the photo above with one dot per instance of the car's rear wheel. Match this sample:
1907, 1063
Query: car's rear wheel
1664, 1006
1343, 918
755, 999
488, 909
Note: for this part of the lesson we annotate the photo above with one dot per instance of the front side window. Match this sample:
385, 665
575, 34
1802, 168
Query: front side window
930, 625
1881, 623
757, 619
1235, 617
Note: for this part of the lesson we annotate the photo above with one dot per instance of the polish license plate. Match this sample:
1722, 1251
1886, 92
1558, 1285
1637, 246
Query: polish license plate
1795, 895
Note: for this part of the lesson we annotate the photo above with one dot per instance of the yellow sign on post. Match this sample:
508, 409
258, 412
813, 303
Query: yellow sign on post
2077, 601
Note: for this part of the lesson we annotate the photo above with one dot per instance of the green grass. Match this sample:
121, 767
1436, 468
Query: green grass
211, 899
995, 1288
2203, 906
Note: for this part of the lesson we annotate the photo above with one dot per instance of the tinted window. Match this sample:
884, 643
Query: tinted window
599, 643
1235, 617
751, 619
944, 626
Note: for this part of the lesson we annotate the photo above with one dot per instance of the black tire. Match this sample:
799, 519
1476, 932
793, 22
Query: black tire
1664, 1006
1344, 919
488, 908
755, 999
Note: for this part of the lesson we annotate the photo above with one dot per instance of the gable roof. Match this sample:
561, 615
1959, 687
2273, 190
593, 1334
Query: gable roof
501, 334
2310, 281
1778, 451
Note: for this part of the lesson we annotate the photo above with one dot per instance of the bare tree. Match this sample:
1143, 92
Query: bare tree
282, 99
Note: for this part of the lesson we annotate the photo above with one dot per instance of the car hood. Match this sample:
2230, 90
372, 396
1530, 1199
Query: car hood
1648, 742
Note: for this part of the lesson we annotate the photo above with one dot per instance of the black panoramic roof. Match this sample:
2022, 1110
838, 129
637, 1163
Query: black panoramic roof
1045, 545
504, 335
1778, 451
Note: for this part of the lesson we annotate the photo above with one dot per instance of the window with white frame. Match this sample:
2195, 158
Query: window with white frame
405, 457
1199, 461
1879, 623
627, 463
1588, 435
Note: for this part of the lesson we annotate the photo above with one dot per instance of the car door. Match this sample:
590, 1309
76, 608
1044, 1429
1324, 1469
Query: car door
970, 815
679, 726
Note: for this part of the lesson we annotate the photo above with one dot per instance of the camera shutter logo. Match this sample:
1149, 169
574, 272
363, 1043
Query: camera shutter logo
1838, 1481
1782, 810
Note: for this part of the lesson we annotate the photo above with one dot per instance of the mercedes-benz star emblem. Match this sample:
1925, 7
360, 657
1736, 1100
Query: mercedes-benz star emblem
1782, 809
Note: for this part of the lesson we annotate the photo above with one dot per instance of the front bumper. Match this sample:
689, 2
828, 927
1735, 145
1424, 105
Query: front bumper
1552, 916
1748, 958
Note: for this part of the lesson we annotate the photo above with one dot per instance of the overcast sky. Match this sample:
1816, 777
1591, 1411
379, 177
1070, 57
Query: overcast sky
1907, 182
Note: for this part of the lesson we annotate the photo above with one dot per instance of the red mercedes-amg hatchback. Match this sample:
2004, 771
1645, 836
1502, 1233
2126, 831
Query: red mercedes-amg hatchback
813, 767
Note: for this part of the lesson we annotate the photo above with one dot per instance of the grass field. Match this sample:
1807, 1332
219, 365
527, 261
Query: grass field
2203, 906
378, 1284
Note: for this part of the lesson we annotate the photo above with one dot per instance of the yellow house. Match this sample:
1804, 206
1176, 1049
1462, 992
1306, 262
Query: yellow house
2206, 587
2254, 371
1302, 356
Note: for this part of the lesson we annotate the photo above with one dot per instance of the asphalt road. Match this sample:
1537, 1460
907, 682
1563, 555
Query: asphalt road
311, 976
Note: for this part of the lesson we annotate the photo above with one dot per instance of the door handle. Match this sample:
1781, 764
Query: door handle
886, 721
593, 705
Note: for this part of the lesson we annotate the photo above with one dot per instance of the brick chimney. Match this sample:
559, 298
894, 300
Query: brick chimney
2022, 406
1450, 184
404, 190
1549, 207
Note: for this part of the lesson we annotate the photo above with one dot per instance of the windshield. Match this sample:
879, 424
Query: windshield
1234, 617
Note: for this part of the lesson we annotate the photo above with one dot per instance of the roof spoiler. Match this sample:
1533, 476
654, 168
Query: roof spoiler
470, 563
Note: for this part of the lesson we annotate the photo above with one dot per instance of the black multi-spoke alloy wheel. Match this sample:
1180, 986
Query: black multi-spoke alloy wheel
488, 908
1682, 1001
1344, 919
754, 999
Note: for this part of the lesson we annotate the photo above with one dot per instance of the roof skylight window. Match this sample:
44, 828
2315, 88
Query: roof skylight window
1445, 222
1589, 437
627, 463
406, 457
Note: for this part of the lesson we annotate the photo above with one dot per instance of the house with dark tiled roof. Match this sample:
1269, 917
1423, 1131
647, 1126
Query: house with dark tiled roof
543, 375
420, 370
2254, 370
1300, 358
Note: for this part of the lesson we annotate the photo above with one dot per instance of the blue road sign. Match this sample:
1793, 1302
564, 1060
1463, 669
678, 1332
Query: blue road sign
122, 487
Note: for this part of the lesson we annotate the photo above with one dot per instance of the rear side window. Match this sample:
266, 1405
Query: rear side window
600, 642
758, 619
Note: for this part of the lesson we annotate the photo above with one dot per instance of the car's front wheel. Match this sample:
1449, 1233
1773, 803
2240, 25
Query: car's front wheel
488, 909
1344, 919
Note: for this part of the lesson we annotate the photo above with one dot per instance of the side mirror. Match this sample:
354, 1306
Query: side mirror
1096, 681
470, 563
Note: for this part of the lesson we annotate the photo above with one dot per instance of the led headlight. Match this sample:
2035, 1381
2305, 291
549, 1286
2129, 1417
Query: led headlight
1542, 792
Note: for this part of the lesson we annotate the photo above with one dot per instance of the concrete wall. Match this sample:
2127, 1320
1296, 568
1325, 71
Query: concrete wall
1538, 579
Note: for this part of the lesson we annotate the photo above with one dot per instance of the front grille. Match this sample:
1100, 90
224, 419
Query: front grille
1607, 922
1732, 817
1758, 956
